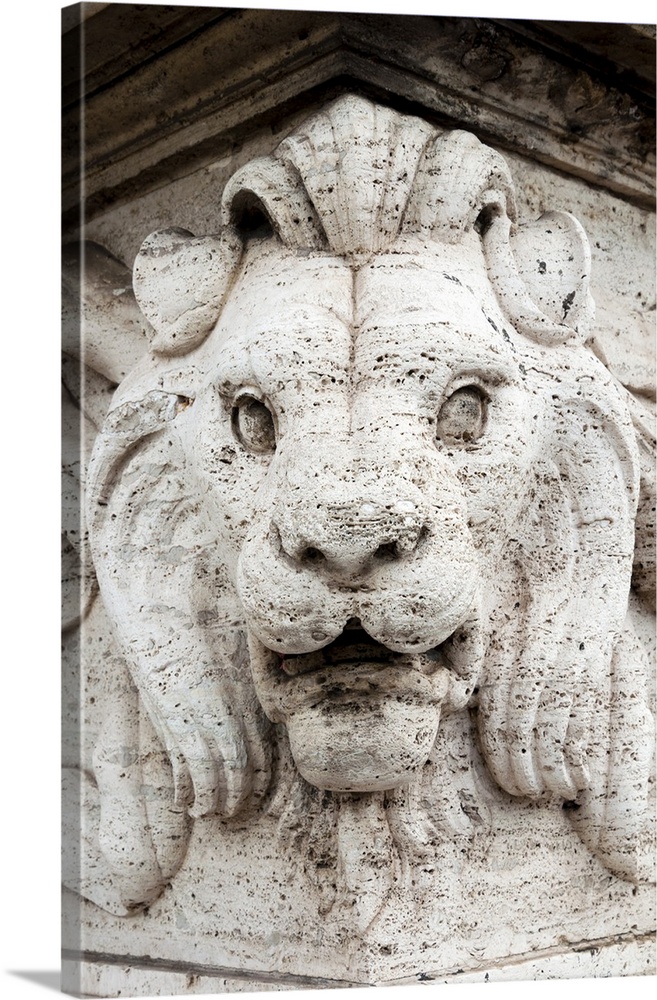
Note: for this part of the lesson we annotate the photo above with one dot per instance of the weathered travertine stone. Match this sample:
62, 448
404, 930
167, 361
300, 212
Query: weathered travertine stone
363, 521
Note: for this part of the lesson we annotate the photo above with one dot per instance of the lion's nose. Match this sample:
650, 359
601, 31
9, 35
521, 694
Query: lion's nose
352, 539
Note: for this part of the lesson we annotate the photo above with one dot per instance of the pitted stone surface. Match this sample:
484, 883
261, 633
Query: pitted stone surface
363, 521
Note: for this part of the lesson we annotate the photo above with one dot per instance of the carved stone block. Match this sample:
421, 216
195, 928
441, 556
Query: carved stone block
367, 568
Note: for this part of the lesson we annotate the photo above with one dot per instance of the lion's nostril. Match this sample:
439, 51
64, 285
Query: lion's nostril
311, 554
346, 543
387, 551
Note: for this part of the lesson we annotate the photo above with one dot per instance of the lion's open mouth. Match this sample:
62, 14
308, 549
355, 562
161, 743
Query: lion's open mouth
357, 669
355, 646
360, 716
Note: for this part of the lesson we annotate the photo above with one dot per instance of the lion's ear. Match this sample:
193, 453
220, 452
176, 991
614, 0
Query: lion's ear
553, 257
181, 283
540, 272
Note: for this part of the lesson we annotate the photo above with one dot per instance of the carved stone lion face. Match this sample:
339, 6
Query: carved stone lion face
369, 474
357, 433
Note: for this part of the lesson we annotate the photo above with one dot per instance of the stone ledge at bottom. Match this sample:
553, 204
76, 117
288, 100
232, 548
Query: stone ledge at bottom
113, 976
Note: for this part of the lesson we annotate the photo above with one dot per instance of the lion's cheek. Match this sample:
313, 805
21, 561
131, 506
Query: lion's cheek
230, 483
289, 610
417, 605
423, 616
363, 744
494, 482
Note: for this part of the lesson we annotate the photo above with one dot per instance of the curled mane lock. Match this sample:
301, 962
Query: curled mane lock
139, 481
396, 176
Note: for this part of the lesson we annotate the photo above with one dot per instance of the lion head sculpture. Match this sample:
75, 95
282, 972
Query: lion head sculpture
369, 475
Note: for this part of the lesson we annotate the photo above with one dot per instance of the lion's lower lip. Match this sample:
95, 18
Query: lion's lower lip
346, 671
354, 647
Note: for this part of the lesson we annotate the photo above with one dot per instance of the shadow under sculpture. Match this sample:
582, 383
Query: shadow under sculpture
368, 474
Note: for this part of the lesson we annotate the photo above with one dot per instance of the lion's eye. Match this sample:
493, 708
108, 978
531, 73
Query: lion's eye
253, 425
462, 417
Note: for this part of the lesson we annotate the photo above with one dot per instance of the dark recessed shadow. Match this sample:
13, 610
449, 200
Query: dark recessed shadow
49, 980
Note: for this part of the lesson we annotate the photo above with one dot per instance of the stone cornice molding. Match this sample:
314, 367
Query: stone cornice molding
210, 76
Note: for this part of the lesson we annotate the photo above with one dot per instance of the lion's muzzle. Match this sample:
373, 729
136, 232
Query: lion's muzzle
360, 589
348, 539
339, 538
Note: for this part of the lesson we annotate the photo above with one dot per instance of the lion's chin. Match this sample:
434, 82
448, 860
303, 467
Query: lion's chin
360, 718
363, 744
